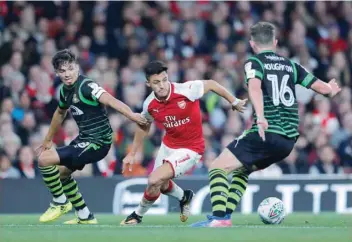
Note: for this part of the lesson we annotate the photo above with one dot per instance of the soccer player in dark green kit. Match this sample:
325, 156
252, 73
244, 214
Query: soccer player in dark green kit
86, 101
271, 81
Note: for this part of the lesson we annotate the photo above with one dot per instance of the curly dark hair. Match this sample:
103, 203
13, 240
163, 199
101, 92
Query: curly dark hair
63, 56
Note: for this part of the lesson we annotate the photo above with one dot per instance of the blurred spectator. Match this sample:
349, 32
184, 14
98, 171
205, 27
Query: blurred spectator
6, 168
326, 163
345, 152
26, 163
323, 115
198, 40
295, 163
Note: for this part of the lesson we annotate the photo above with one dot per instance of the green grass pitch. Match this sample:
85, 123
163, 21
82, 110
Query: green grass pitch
296, 227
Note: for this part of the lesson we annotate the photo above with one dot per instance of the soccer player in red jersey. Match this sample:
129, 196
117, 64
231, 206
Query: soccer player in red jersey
176, 106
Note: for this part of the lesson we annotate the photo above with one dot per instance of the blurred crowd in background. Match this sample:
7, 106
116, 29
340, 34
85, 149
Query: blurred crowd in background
198, 40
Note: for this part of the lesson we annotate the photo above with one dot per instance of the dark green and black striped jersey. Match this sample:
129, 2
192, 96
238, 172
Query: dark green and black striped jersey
90, 115
279, 76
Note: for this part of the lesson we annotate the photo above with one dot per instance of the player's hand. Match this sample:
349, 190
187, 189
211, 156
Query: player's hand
139, 119
128, 161
262, 126
240, 106
47, 144
335, 89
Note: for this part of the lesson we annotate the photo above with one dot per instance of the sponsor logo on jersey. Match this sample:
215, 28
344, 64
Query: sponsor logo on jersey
274, 58
75, 111
172, 122
181, 104
75, 99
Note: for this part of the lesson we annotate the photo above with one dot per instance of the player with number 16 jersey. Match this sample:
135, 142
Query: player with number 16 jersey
279, 76
271, 81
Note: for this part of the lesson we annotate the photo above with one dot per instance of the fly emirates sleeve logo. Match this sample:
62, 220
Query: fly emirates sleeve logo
172, 121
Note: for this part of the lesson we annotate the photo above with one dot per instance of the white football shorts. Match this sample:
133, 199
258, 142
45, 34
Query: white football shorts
181, 160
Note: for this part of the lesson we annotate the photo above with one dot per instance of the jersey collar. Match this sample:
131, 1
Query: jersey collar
168, 97
266, 51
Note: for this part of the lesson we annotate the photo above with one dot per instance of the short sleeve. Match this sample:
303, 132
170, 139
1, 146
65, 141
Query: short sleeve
253, 68
303, 77
91, 90
145, 111
62, 99
193, 90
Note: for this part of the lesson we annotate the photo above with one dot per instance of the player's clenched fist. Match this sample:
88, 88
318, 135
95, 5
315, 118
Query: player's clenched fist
139, 119
239, 105
128, 162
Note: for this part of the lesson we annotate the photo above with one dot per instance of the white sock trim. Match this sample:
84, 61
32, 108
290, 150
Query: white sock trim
61, 199
83, 213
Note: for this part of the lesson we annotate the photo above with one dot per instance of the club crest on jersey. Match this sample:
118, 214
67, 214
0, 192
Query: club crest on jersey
75, 99
181, 104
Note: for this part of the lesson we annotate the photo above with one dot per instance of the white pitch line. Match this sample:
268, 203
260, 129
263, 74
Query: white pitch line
171, 226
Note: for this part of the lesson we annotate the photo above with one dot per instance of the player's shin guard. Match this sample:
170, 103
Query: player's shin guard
146, 203
237, 188
51, 177
218, 191
75, 197
173, 190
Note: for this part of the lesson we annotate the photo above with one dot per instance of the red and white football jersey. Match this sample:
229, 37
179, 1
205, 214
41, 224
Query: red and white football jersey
180, 115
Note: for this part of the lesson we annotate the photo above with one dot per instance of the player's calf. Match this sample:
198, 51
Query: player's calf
48, 161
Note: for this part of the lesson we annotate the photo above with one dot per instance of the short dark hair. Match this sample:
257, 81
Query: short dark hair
154, 67
63, 56
263, 33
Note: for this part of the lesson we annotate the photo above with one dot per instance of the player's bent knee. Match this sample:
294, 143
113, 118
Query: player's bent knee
64, 172
219, 165
226, 161
48, 158
154, 181
42, 161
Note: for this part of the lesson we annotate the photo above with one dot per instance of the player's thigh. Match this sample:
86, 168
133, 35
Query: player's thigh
163, 152
226, 161
161, 175
48, 158
91, 153
278, 148
247, 150
182, 160
76, 155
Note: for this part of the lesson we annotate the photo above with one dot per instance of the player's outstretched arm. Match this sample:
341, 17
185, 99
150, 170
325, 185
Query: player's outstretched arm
56, 121
141, 133
119, 106
237, 104
256, 95
328, 89
308, 80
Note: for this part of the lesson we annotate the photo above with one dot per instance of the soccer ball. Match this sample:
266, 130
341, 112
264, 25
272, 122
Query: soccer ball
271, 210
